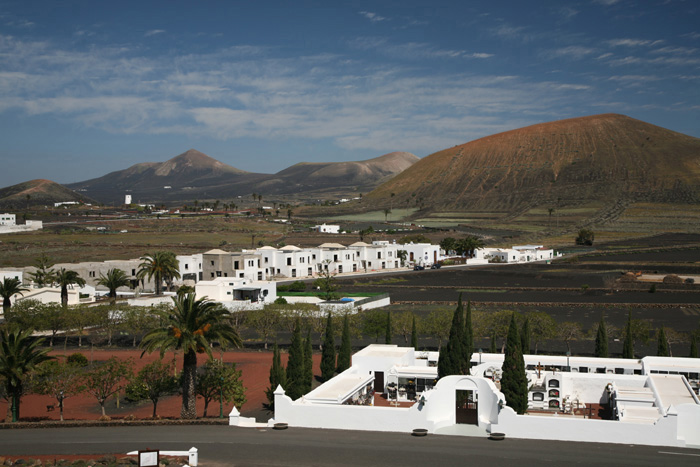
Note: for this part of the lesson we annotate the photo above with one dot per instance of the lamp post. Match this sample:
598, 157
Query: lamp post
480, 352
568, 354
221, 398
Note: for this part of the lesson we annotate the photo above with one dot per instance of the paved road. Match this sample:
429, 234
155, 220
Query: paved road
223, 445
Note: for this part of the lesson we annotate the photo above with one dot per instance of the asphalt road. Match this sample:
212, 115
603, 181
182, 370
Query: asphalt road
223, 445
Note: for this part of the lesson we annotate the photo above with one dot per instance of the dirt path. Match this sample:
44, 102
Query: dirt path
254, 366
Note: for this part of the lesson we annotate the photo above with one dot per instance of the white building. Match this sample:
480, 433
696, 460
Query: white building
7, 219
653, 404
519, 254
422, 254
127, 199
190, 268
378, 256
7, 274
53, 295
236, 293
323, 228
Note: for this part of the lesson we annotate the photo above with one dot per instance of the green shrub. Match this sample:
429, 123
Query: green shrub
77, 359
280, 301
297, 286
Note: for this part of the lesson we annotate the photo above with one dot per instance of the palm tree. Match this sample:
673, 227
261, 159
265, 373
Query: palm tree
19, 355
9, 287
160, 266
114, 279
66, 278
192, 326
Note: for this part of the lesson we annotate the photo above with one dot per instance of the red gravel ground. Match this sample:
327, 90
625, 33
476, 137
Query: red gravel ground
255, 368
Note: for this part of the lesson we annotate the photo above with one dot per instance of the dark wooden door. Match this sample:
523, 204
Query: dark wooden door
467, 409
379, 382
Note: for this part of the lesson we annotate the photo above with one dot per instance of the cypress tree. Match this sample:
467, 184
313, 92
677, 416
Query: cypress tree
514, 379
345, 352
328, 355
525, 336
467, 339
628, 344
492, 345
388, 333
693, 346
414, 334
277, 377
601, 339
662, 344
451, 357
295, 364
308, 362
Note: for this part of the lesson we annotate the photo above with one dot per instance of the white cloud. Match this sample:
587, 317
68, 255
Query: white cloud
373, 17
574, 52
154, 32
628, 42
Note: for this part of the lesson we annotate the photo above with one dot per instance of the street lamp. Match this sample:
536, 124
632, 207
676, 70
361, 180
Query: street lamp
568, 354
480, 351
221, 398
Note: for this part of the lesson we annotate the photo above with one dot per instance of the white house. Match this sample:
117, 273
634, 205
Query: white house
53, 295
190, 268
7, 219
7, 274
519, 254
653, 404
336, 258
244, 292
378, 256
423, 254
323, 228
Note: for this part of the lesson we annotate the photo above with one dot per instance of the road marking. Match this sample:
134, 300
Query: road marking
679, 453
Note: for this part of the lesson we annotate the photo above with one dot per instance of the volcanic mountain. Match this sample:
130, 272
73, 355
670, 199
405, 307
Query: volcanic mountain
37, 192
193, 175
148, 180
320, 176
607, 158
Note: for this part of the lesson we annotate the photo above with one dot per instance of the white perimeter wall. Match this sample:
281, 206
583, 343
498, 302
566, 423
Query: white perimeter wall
563, 428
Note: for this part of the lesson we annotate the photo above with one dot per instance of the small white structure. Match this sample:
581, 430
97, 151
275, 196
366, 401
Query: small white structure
323, 228
7, 274
52, 295
519, 254
8, 224
245, 293
422, 254
7, 219
127, 199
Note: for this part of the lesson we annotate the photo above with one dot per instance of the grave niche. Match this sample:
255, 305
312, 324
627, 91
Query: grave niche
537, 396
553, 393
553, 383
554, 404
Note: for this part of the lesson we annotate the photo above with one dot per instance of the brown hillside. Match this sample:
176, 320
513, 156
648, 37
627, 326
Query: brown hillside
606, 157
38, 192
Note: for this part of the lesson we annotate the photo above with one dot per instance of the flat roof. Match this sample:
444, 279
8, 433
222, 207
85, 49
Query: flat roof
672, 390
383, 350
635, 414
340, 388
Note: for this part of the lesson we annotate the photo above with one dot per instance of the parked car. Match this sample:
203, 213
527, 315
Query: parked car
436, 266
418, 267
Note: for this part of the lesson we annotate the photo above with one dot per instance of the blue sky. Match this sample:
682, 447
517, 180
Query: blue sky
91, 87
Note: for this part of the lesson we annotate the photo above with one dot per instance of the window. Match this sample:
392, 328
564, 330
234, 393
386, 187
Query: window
340, 269
266, 258
212, 262
260, 275
225, 274
218, 273
600, 370
294, 273
335, 258
187, 266
313, 256
583, 369
228, 293
289, 261
235, 265
91, 274
310, 272
265, 292
212, 275
133, 272
301, 260
619, 371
